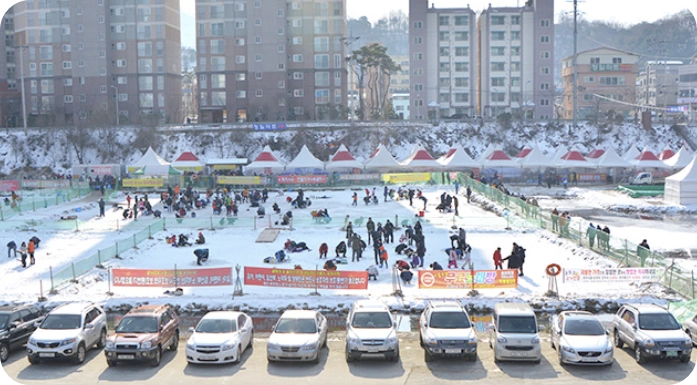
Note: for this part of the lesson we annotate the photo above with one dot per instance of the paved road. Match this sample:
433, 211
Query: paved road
333, 369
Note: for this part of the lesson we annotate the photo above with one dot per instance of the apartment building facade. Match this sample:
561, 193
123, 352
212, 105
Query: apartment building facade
687, 92
271, 60
657, 87
516, 61
442, 61
10, 96
607, 72
87, 59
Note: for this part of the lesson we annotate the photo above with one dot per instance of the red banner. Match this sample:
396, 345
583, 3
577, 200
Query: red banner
462, 279
165, 278
305, 279
9, 185
302, 179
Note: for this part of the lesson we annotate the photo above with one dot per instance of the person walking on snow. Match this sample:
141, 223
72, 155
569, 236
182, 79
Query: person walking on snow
452, 259
370, 226
498, 259
101, 207
30, 251
128, 201
23, 254
469, 194
355, 199
11, 249
385, 193
591, 234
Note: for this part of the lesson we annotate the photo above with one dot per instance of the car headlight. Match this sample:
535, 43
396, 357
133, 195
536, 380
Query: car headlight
535, 340
109, 345
430, 340
568, 349
688, 343
352, 339
229, 345
310, 346
31, 341
272, 346
472, 341
609, 348
648, 343
501, 340
391, 339
190, 345
146, 345
68, 341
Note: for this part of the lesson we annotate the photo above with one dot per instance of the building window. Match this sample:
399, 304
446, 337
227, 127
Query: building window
321, 96
498, 66
298, 40
258, 75
515, 35
418, 40
298, 93
611, 80
121, 80
461, 35
281, 84
444, 36
239, 41
239, 59
68, 82
259, 93
498, 82
544, 39
498, 20
544, 86
515, 20
444, 20
515, 51
281, 49
498, 51
616, 60
498, 35
595, 60
544, 23
102, 89
321, 44
544, 70
67, 98
462, 67
241, 94
321, 79
257, 57
544, 102
298, 75
444, 51
297, 58
589, 79
418, 24
544, 55
321, 61
461, 20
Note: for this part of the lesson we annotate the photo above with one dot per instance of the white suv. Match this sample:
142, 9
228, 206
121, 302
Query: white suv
445, 330
370, 330
68, 332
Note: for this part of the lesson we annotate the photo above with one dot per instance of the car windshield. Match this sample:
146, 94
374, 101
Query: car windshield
449, 320
216, 326
664, 321
372, 320
517, 324
3, 320
296, 325
61, 322
583, 327
137, 325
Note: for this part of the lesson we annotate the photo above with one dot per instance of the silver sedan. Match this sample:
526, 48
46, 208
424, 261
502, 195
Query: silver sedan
580, 339
298, 336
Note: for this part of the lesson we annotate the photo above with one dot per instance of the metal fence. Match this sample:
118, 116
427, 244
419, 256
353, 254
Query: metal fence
41, 201
624, 252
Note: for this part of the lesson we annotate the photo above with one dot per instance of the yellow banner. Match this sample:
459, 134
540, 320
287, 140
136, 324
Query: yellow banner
189, 168
407, 177
239, 180
225, 167
143, 182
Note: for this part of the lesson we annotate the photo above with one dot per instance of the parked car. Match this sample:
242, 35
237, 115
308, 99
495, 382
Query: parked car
579, 338
68, 332
299, 335
641, 178
459, 116
220, 337
652, 332
370, 330
691, 329
445, 330
142, 334
513, 335
17, 323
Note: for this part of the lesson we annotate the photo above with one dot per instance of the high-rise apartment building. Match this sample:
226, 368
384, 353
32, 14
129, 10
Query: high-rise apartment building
443, 65
516, 60
10, 97
78, 55
271, 60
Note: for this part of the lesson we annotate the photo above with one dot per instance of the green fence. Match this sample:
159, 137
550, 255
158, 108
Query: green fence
624, 252
71, 272
35, 202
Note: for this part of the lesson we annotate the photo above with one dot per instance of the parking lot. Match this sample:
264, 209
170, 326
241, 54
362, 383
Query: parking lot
333, 369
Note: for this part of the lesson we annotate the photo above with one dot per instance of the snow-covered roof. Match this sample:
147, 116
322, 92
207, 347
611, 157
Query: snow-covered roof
421, 159
343, 159
457, 158
534, 159
688, 173
266, 160
382, 159
150, 158
305, 160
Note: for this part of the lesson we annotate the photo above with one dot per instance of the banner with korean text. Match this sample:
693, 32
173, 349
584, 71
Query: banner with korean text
465, 279
156, 182
241, 180
305, 279
165, 278
9, 185
638, 274
302, 179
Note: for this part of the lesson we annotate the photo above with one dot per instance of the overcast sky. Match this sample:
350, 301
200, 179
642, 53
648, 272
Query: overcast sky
622, 11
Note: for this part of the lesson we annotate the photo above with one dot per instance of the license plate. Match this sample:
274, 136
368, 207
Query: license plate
47, 355
671, 354
126, 357
206, 358
589, 359
519, 354
453, 351
672, 349
373, 350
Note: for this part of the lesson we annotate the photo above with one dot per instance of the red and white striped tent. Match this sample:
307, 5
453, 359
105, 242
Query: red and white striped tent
534, 159
382, 160
595, 154
573, 159
523, 152
499, 159
457, 158
420, 159
665, 154
681, 158
266, 162
342, 160
647, 159
187, 161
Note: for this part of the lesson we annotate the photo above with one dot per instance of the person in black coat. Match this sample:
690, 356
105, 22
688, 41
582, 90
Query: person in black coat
436, 266
406, 276
341, 249
11, 248
389, 232
201, 255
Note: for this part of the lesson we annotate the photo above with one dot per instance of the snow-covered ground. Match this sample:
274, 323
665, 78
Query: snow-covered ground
236, 245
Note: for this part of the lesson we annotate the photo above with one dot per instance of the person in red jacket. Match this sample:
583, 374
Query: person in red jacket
323, 249
30, 252
498, 259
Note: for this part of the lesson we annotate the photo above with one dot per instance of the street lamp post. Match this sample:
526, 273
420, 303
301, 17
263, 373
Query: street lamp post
21, 75
116, 98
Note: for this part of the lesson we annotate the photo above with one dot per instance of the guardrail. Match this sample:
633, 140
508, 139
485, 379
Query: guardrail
10, 209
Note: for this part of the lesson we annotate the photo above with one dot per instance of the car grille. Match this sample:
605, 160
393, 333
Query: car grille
290, 349
518, 348
49, 345
127, 346
208, 349
669, 344
589, 354
451, 342
373, 342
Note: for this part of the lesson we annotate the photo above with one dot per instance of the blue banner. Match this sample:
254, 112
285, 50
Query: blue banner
269, 127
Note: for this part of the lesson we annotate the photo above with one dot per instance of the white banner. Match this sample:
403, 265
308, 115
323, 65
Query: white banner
639, 274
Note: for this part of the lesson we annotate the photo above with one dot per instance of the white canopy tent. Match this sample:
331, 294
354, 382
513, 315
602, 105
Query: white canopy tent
420, 159
647, 159
304, 161
559, 152
573, 159
187, 161
489, 149
150, 158
609, 159
267, 162
534, 159
457, 158
342, 160
631, 153
382, 160
681, 188
499, 159
681, 158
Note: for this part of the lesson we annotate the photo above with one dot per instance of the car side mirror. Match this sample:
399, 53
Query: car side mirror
191, 330
37, 324
492, 328
12, 326
607, 332
89, 326
162, 327
634, 326
394, 324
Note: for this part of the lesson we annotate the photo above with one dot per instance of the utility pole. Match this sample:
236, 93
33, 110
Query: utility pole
21, 75
116, 98
348, 41
575, 64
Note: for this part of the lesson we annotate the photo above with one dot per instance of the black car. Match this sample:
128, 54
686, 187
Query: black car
16, 325
459, 116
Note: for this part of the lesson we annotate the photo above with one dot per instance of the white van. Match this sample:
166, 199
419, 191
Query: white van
643, 177
513, 335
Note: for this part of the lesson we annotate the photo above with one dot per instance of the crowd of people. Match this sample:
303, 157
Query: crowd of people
25, 250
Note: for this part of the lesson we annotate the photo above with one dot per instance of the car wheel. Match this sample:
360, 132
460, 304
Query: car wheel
395, 358
316, 360
618, 340
80, 354
324, 344
685, 359
638, 356
111, 363
561, 357
33, 361
349, 356
4, 352
102, 340
175, 342
158, 357
238, 358
428, 357
251, 340
473, 358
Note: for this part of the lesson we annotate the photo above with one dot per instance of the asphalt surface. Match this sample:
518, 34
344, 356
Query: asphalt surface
333, 369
